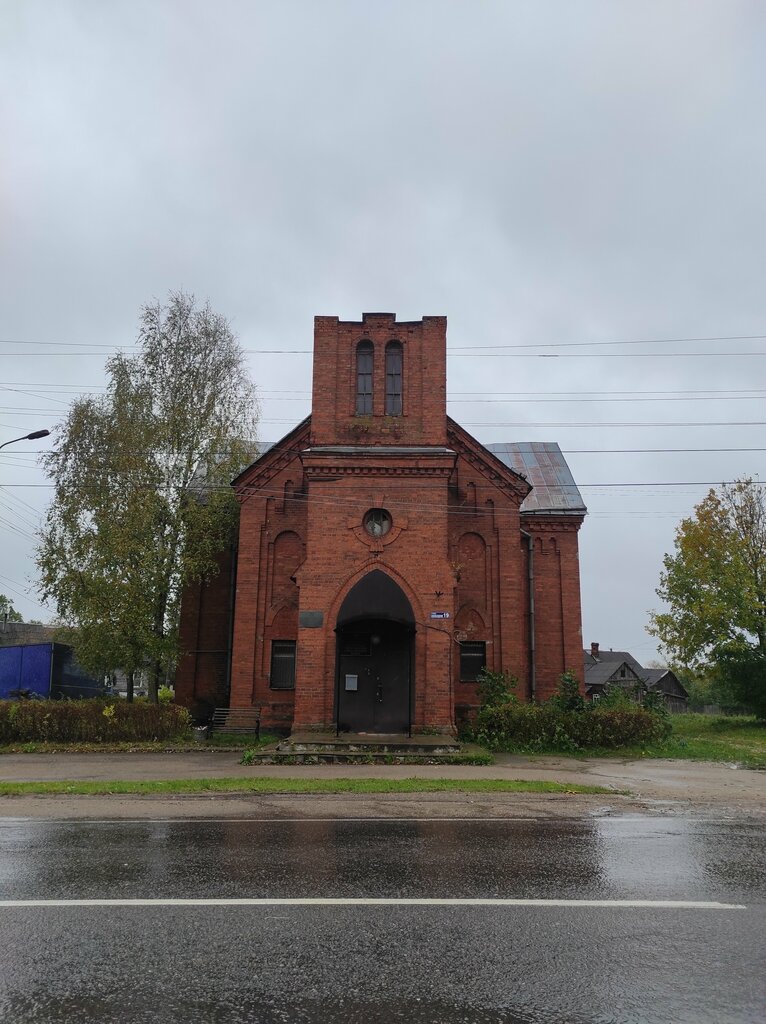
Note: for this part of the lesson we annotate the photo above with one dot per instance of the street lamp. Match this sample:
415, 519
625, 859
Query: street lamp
27, 437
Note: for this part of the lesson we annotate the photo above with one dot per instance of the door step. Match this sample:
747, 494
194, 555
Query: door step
367, 743
336, 757
360, 748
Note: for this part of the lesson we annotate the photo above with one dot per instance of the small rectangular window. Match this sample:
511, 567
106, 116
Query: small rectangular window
282, 665
473, 658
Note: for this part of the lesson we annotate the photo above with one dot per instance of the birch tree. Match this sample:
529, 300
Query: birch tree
142, 503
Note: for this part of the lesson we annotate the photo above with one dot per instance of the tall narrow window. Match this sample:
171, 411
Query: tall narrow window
394, 378
282, 665
364, 378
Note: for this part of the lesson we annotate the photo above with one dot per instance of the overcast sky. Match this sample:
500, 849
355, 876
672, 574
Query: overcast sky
545, 174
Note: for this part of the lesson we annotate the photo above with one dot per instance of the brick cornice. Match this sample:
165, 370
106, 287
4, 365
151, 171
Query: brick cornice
535, 523
365, 462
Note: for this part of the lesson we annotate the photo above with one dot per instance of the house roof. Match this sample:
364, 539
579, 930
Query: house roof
541, 463
653, 675
600, 672
666, 676
616, 658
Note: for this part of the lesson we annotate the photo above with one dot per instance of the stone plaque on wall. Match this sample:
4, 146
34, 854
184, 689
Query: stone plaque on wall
311, 620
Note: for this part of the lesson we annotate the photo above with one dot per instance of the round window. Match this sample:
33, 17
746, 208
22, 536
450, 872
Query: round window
377, 522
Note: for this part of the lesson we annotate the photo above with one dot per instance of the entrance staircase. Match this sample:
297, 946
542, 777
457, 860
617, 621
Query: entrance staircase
368, 748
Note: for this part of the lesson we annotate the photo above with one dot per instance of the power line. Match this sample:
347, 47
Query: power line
531, 344
474, 354
523, 425
439, 487
76, 389
651, 451
7, 586
701, 394
32, 462
38, 411
639, 341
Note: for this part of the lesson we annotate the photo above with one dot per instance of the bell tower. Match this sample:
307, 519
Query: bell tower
380, 382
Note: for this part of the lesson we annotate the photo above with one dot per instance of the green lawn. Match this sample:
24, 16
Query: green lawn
266, 784
739, 739
730, 739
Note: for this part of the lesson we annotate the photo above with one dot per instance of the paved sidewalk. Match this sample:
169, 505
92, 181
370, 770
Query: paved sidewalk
687, 782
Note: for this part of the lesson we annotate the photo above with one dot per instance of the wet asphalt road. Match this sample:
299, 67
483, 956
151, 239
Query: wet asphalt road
439, 964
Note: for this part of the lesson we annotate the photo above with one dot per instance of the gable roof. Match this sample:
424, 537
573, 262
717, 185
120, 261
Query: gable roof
599, 673
615, 657
665, 680
540, 463
287, 447
653, 675
599, 670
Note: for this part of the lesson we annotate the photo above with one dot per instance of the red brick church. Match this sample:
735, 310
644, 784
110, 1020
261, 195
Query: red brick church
385, 555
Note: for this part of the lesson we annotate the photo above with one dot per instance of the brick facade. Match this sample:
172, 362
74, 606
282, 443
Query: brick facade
463, 552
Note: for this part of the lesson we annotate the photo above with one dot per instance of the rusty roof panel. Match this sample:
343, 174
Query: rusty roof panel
544, 466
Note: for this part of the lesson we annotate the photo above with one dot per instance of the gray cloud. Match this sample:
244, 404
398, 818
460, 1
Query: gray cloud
538, 172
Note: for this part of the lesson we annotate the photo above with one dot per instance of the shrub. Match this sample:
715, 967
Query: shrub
654, 701
90, 721
616, 697
495, 688
541, 727
568, 696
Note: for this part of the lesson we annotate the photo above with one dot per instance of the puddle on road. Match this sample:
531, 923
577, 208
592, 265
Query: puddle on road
42, 1009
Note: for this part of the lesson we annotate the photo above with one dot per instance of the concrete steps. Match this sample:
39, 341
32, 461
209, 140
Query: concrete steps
348, 748
367, 743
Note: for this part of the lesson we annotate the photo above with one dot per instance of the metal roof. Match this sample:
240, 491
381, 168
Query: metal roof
544, 466
540, 462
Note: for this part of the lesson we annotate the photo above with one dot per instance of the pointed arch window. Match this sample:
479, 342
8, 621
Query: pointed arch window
394, 378
364, 378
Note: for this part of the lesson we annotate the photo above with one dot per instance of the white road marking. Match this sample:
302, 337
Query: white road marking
8, 822
365, 901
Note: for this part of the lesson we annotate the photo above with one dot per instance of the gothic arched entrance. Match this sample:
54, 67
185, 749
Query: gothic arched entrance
375, 631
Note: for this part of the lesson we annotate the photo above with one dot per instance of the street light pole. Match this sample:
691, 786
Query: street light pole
27, 437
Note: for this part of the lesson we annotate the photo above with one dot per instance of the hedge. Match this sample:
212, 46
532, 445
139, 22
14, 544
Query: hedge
545, 727
90, 721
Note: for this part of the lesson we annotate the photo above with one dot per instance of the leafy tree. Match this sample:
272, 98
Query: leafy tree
6, 608
715, 587
126, 529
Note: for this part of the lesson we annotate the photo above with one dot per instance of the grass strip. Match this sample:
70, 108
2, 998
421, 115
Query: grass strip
725, 739
267, 784
218, 740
